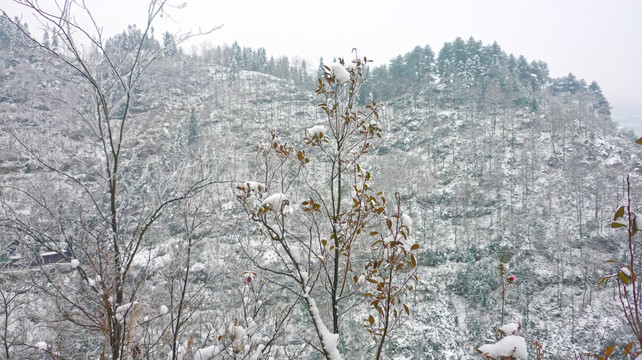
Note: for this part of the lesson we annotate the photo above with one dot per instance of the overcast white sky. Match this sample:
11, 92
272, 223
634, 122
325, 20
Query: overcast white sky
594, 39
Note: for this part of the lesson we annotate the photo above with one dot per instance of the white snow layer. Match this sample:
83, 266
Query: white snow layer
74, 263
41, 345
206, 353
236, 332
276, 201
510, 328
163, 310
352, 66
626, 271
341, 75
255, 186
122, 309
511, 345
328, 339
257, 353
298, 253
406, 220
315, 131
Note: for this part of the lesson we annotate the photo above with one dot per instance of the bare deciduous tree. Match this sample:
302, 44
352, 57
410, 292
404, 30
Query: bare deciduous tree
100, 215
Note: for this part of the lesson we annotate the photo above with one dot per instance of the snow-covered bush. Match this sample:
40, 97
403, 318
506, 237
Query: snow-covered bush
321, 237
511, 347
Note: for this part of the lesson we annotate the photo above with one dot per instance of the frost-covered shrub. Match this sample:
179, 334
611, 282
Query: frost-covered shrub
476, 282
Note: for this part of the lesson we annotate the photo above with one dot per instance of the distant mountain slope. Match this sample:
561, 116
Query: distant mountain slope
492, 157
497, 158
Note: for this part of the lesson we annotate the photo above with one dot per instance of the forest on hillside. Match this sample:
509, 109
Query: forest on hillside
227, 204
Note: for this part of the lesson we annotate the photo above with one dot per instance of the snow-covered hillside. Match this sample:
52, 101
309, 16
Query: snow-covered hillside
493, 165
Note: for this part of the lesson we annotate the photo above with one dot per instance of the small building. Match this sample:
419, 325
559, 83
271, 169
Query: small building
50, 257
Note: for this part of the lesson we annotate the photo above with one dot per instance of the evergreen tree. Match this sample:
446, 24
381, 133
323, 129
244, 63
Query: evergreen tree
237, 55
261, 60
271, 66
45, 39
283, 68
169, 44
235, 59
321, 69
600, 104
54, 42
192, 130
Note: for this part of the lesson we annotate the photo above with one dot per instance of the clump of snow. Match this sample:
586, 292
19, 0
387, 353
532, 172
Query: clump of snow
275, 201
510, 329
328, 339
238, 332
206, 353
257, 352
406, 220
181, 351
98, 278
351, 66
91, 282
74, 263
626, 271
255, 186
235, 332
41, 345
15, 256
511, 345
315, 131
251, 326
237, 346
125, 307
341, 75
297, 253
122, 310
163, 310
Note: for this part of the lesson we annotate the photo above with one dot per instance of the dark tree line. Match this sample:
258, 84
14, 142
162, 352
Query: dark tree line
238, 58
468, 72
